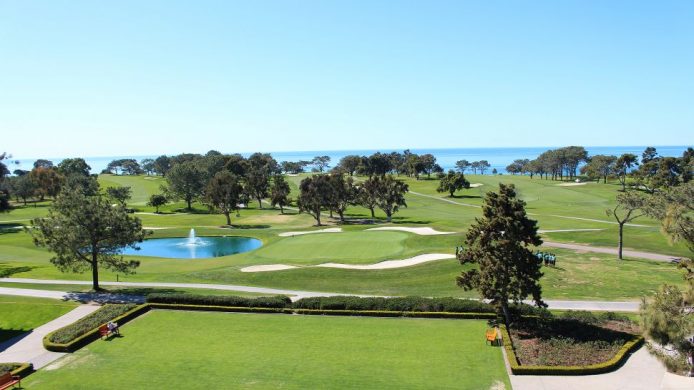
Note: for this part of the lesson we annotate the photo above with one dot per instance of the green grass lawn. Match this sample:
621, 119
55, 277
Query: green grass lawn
170, 349
579, 275
352, 247
22, 314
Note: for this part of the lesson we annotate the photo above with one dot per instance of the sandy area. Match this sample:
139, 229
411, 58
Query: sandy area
571, 184
265, 268
328, 230
388, 264
422, 231
475, 185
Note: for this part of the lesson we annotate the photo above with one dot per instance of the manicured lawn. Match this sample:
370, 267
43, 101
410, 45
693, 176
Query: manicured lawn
22, 314
168, 349
352, 247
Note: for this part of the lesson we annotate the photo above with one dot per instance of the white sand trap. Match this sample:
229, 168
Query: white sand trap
571, 184
328, 230
422, 231
389, 264
475, 185
266, 268
568, 230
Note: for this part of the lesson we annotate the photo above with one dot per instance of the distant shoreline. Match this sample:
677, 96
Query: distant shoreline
499, 158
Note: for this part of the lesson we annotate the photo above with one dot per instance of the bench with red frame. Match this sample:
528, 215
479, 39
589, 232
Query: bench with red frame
104, 331
8, 380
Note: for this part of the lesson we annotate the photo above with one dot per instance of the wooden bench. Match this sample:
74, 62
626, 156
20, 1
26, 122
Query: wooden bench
104, 331
491, 336
8, 380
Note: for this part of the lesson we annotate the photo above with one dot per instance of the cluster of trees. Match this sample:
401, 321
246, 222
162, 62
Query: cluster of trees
554, 163
46, 180
223, 182
405, 163
476, 166
336, 191
127, 166
650, 172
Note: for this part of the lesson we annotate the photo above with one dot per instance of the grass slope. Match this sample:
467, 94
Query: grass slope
22, 314
281, 351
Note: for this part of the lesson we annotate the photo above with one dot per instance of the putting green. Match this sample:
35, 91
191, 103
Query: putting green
347, 247
172, 349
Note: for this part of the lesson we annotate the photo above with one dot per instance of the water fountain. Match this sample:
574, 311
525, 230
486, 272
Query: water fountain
194, 241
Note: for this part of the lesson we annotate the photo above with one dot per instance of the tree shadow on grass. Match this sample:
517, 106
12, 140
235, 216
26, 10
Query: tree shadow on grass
464, 197
7, 270
8, 227
405, 220
250, 226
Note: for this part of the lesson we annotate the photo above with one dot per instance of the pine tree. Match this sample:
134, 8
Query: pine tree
499, 243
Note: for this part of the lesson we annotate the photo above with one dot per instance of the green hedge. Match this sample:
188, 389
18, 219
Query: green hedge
21, 369
390, 313
279, 301
399, 304
615, 362
86, 330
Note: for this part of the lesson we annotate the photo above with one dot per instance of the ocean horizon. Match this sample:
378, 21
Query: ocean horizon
499, 158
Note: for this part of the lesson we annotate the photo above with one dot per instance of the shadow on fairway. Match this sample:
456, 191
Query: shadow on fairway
6, 228
7, 271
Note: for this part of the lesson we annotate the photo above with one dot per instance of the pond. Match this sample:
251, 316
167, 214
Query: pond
194, 247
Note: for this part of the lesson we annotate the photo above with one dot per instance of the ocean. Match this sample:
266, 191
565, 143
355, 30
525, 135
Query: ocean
499, 158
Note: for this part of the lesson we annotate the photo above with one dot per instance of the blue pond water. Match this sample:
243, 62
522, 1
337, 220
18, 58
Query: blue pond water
201, 248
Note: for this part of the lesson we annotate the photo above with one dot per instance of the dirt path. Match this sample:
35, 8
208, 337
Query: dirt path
611, 251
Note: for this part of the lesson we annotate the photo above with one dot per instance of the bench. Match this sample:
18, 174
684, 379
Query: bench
104, 331
491, 336
8, 380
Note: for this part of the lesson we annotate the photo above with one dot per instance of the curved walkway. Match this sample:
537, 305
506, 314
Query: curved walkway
611, 251
642, 371
29, 348
624, 306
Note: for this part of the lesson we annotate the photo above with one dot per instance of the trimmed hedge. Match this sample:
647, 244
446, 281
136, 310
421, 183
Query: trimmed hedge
86, 330
21, 369
390, 313
398, 304
615, 362
279, 301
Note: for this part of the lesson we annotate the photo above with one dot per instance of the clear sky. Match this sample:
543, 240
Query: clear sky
95, 78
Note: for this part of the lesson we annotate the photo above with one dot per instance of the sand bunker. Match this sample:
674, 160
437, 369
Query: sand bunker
388, 264
422, 231
571, 184
329, 230
266, 268
475, 185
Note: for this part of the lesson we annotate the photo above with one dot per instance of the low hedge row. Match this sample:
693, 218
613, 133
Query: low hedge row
279, 301
399, 304
617, 360
21, 369
86, 330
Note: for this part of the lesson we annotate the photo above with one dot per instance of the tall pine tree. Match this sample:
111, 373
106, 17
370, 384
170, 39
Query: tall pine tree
499, 244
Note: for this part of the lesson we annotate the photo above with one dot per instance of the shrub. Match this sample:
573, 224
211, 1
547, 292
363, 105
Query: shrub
279, 301
416, 304
8, 367
89, 323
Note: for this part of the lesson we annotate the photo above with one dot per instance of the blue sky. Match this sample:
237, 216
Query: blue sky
147, 77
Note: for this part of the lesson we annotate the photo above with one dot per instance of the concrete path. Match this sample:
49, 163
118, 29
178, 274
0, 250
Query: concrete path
294, 294
29, 348
611, 251
642, 371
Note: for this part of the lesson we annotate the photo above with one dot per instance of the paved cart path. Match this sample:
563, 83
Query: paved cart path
29, 347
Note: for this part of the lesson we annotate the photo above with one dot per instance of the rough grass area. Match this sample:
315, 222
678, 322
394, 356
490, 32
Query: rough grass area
172, 349
22, 314
571, 339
